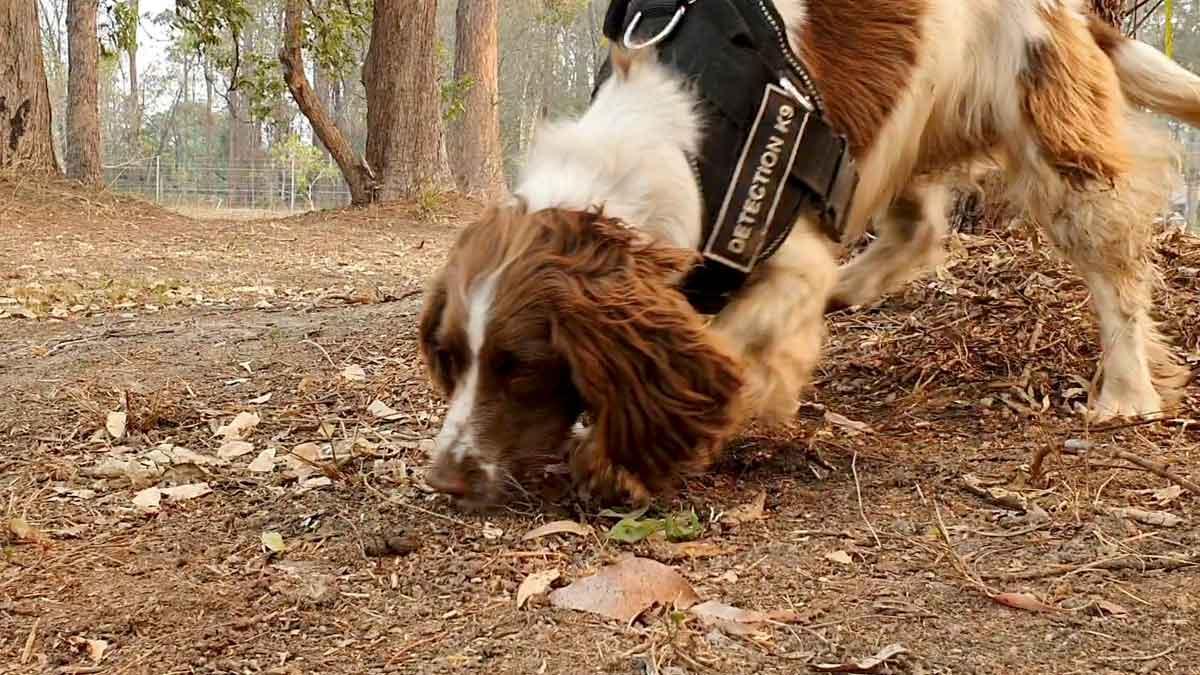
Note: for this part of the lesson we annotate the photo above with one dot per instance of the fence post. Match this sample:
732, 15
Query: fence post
157, 179
292, 200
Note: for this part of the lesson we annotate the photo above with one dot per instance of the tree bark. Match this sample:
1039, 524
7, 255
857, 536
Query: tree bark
404, 112
474, 137
26, 140
83, 100
356, 173
134, 111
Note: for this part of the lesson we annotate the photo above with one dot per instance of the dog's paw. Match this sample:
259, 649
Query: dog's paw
598, 480
1118, 401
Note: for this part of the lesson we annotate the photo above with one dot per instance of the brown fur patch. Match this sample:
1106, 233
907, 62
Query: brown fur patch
1072, 102
862, 56
1107, 38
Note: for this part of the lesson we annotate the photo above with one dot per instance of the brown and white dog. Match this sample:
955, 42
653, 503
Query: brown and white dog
565, 300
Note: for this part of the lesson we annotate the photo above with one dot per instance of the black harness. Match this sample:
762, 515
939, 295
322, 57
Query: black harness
767, 155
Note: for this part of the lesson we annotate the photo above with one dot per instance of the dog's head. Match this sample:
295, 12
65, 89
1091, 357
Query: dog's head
538, 317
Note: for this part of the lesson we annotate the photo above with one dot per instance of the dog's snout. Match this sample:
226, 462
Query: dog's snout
447, 479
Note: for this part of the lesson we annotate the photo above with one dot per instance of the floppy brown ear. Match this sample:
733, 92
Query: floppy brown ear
431, 321
663, 395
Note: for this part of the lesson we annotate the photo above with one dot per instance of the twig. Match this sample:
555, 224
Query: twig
318, 346
27, 652
1139, 657
1109, 565
1158, 469
959, 563
416, 508
858, 491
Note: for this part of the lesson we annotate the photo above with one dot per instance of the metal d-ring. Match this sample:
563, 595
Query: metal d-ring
662, 34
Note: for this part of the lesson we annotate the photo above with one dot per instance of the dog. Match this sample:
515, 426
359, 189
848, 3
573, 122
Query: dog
565, 300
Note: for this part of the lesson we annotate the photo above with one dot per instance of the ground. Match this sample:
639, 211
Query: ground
938, 471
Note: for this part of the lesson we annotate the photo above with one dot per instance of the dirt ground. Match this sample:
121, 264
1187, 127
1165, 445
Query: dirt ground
937, 472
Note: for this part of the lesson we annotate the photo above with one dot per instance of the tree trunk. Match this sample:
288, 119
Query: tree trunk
404, 112
356, 173
26, 140
474, 137
134, 111
83, 112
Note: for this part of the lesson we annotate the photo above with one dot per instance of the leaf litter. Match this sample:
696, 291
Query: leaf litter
624, 590
558, 527
536, 584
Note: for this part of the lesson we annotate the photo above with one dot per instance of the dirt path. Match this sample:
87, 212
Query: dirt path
886, 534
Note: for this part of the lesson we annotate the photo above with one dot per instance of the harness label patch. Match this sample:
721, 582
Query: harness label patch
740, 229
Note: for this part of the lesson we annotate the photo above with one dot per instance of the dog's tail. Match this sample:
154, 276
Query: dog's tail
1148, 78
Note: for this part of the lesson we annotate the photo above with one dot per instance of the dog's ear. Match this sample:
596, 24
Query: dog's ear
663, 395
430, 324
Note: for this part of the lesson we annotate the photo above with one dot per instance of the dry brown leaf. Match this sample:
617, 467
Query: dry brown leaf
871, 664
839, 557
354, 373
240, 427
1025, 601
626, 589
1164, 496
1104, 607
853, 426
732, 620
264, 462
558, 527
693, 549
232, 449
1157, 518
535, 584
23, 531
383, 411
182, 493
148, 499
114, 424
95, 648
746, 512
303, 460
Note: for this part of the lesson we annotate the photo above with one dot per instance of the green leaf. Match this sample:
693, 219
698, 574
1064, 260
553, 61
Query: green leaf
684, 526
274, 542
633, 530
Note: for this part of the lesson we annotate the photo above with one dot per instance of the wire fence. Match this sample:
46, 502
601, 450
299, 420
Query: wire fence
281, 186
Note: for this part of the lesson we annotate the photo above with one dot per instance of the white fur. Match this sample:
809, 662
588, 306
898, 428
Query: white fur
457, 434
625, 154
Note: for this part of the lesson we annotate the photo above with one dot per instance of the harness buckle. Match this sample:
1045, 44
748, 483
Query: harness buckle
660, 36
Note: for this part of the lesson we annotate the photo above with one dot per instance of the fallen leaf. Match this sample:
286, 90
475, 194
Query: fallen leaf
354, 373
259, 400
23, 531
240, 427
1106, 608
997, 495
95, 648
383, 411
535, 584
1163, 496
232, 449
314, 483
1025, 601
273, 541
1157, 518
747, 512
302, 462
115, 423
181, 493
558, 527
840, 557
181, 455
490, 531
626, 589
732, 620
684, 526
633, 530
870, 664
148, 499
635, 514
264, 463
853, 426
693, 549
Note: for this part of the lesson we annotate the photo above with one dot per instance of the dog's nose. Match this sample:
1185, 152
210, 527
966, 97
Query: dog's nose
447, 480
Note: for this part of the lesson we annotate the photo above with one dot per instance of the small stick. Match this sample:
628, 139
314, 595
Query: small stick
1160, 470
27, 652
1139, 657
1109, 565
861, 511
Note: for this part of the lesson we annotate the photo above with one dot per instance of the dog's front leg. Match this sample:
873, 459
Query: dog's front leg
776, 323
